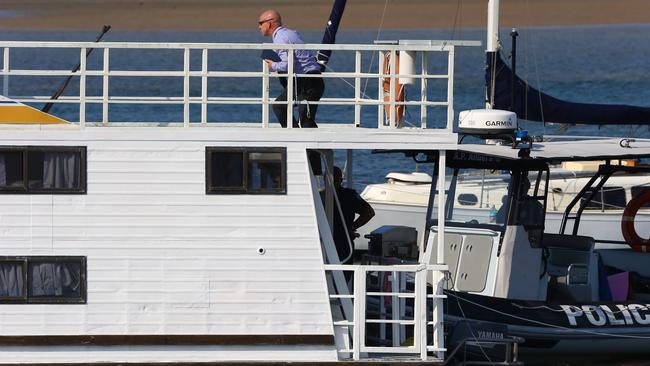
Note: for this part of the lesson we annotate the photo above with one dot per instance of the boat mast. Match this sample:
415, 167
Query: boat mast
492, 47
493, 26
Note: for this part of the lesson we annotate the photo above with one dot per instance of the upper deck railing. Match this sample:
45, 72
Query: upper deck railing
183, 83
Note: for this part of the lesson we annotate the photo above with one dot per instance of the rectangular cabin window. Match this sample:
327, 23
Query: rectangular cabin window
250, 170
43, 280
608, 198
42, 169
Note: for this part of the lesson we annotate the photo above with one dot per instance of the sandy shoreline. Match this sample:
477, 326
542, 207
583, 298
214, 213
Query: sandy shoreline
311, 14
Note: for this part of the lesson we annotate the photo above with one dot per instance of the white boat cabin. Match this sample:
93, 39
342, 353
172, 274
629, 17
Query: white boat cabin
128, 239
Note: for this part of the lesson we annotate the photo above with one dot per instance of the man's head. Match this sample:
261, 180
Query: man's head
268, 22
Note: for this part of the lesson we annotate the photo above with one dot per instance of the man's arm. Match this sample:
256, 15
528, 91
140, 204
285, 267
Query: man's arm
282, 65
365, 211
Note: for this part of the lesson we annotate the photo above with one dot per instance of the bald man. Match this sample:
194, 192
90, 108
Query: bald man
307, 89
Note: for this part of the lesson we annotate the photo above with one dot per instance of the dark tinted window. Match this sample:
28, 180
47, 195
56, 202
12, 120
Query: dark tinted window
11, 169
34, 169
228, 169
12, 280
264, 170
245, 170
609, 198
43, 280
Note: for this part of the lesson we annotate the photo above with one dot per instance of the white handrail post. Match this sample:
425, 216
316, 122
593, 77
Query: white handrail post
82, 87
204, 86
290, 87
105, 87
186, 87
265, 94
420, 333
359, 303
438, 313
5, 70
393, 81
380, 89
423, 89
395, 307
450, 90
441, 206
357, 89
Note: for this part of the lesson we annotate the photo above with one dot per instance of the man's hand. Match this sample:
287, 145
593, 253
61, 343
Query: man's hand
269, 63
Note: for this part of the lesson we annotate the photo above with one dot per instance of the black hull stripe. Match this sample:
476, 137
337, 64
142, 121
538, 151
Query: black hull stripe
171, 340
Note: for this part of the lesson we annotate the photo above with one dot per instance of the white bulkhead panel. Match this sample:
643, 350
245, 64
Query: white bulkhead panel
164, 257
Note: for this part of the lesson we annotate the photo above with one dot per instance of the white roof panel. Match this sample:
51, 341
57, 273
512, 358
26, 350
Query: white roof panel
565, 150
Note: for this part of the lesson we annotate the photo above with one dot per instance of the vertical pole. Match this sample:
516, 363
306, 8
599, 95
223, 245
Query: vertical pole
421, 313
290, 88
438, 313
450, 90
380, 89
359, 315
349, 179
442, 196
329, 188
493, 26
82, 88
395, 308
265, 95
186, 87
204, 86
423, 89
105, 87
5, 70
393, 66
357, 89
513, 61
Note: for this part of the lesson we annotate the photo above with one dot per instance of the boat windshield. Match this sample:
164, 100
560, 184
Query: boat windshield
474, 197
484, 198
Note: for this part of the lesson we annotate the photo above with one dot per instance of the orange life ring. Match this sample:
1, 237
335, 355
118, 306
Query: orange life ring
399, 92
637, 243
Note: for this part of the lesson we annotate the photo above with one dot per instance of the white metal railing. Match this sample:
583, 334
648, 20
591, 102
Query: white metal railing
107, 73
392, 287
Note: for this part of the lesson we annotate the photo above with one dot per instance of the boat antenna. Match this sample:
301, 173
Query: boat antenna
513, 65
65, 83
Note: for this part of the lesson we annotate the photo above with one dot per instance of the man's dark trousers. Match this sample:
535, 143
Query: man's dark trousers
307, 88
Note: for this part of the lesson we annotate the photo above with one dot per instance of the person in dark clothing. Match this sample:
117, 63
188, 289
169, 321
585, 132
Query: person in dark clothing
351, 205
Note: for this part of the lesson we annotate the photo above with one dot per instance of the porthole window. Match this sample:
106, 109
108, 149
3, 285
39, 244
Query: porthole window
467, 199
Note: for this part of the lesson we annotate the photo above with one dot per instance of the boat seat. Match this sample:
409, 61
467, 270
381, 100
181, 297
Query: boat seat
572, 267
570, 242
